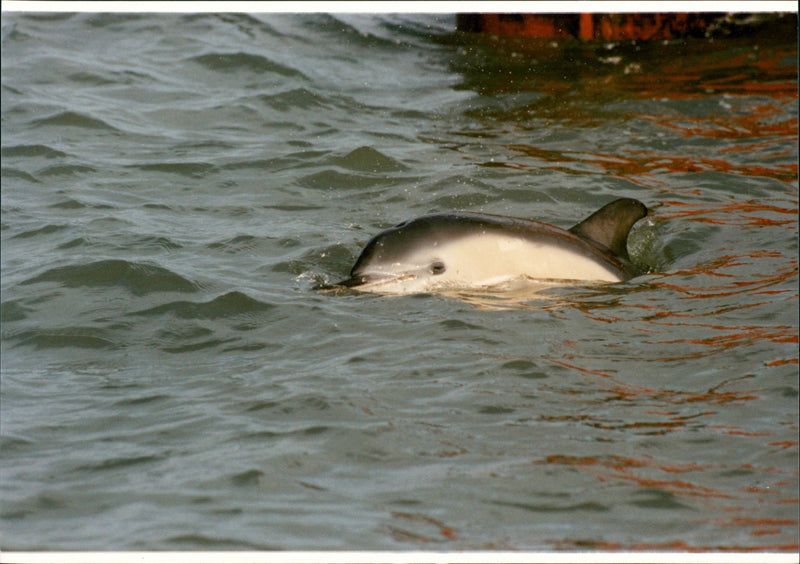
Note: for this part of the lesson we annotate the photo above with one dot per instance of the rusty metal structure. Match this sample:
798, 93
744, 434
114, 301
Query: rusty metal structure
589, 26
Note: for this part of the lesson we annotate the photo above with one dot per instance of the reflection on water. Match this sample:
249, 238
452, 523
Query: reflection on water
175, 187
524, 293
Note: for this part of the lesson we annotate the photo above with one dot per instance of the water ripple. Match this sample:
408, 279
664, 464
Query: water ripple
139, 279
73, 119
233, 62
227, 305
173, 185
36, 150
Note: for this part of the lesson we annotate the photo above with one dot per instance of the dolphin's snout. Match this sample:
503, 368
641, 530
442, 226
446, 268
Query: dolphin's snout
372, 280
352, 281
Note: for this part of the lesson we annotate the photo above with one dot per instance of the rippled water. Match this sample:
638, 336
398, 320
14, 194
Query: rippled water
175, 186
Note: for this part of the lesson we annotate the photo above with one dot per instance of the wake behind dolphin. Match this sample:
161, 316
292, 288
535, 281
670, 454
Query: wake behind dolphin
464, 250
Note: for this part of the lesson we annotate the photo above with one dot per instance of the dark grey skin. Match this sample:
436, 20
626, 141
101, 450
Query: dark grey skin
602, 237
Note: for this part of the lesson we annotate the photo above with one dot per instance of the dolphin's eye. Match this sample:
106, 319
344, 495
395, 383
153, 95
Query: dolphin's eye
437, 268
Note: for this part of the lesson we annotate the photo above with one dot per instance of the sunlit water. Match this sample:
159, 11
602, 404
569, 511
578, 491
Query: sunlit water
174, 187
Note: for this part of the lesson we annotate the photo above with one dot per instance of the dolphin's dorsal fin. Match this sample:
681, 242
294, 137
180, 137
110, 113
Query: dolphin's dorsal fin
609, 226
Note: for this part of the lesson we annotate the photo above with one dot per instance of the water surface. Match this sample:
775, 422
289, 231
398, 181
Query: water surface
174, 187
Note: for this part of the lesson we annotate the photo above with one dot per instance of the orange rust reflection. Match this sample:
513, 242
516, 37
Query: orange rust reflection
621, 462
631, 470
784, 445
731, 430
757, 123
677, 546
745, 335
621, 391
753, 284
755, 132
736, 213
419, 520
743, 73
638, 165
609, 468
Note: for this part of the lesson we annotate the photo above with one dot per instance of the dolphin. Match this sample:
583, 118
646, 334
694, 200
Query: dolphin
464, 250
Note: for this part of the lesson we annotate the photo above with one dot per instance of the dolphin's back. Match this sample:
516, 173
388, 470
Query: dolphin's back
484, 247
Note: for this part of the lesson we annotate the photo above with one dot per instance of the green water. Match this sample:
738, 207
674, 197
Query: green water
175, 186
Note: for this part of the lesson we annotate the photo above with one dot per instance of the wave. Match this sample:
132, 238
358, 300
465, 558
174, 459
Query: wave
46, 230
137, 278
118, 463
65, 337
9, 173
67, 170
333, 179
140, 243
294, 98
13, 310
193, 541
73, 204
189, 169
289, 161
73, 119
36, 150
232, 62
227, 305
367, 159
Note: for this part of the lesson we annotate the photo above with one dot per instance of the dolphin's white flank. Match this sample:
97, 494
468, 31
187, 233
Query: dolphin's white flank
463, 250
